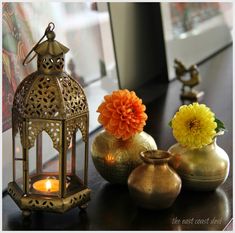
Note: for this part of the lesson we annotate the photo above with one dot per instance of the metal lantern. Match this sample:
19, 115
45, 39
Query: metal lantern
49, 100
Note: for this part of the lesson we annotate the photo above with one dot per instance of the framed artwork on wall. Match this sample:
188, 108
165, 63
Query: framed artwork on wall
193, 31
17, 40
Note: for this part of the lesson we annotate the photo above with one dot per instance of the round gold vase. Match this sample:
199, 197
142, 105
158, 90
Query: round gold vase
200, 169
154, 185
114, 158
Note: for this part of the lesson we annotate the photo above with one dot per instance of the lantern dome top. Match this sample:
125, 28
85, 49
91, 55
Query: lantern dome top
55, 97
50, 53
51, 46
49, 93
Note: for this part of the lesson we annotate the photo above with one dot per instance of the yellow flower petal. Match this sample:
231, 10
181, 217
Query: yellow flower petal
194, 125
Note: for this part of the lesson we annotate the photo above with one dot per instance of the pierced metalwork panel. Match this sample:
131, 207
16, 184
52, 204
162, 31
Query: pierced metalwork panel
51, 127
60, 205
40, 98
43, 99
77, 123
37, 203
21, 93
50, 64
78, 199
15, 192
50, 97
73, 96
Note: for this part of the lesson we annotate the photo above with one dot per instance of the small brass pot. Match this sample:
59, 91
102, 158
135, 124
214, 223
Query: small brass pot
154, 185
200, 169
114, 158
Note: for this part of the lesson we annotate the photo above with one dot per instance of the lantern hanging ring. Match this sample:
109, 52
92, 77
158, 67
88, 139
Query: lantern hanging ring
50, 28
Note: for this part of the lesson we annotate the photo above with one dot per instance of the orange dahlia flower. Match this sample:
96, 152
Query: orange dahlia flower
122, 114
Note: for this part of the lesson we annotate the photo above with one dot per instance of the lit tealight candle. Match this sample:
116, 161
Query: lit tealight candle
47, 185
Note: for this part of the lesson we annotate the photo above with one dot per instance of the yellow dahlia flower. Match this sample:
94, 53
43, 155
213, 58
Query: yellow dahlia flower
194, 125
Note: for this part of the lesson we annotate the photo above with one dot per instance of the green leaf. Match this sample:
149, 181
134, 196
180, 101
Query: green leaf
170, 124
220, 125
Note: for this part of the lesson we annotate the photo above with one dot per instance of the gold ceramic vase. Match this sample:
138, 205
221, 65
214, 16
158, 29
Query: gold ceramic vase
154, 185
200, 169
115, 158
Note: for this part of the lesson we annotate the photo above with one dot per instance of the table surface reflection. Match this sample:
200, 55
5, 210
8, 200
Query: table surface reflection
111, 207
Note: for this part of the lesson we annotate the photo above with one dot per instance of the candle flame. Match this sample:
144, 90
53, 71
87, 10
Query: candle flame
48, 185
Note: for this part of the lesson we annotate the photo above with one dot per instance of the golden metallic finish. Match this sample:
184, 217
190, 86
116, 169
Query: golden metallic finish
200, 169
194, 80
115, 159
50, 100
154, 185
50, 204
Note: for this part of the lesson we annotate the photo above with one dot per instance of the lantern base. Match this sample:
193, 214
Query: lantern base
45, 203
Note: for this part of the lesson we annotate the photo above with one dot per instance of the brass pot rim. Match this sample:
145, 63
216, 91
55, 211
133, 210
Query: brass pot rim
155, 156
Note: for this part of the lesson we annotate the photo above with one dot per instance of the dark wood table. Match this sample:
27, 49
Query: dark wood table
111, 207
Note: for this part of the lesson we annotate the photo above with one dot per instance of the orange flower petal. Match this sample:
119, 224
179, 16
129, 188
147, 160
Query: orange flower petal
122, 114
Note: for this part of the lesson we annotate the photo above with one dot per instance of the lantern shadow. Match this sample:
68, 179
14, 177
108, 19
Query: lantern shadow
74, 219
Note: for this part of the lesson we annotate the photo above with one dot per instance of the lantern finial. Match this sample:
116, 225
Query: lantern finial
49, 32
